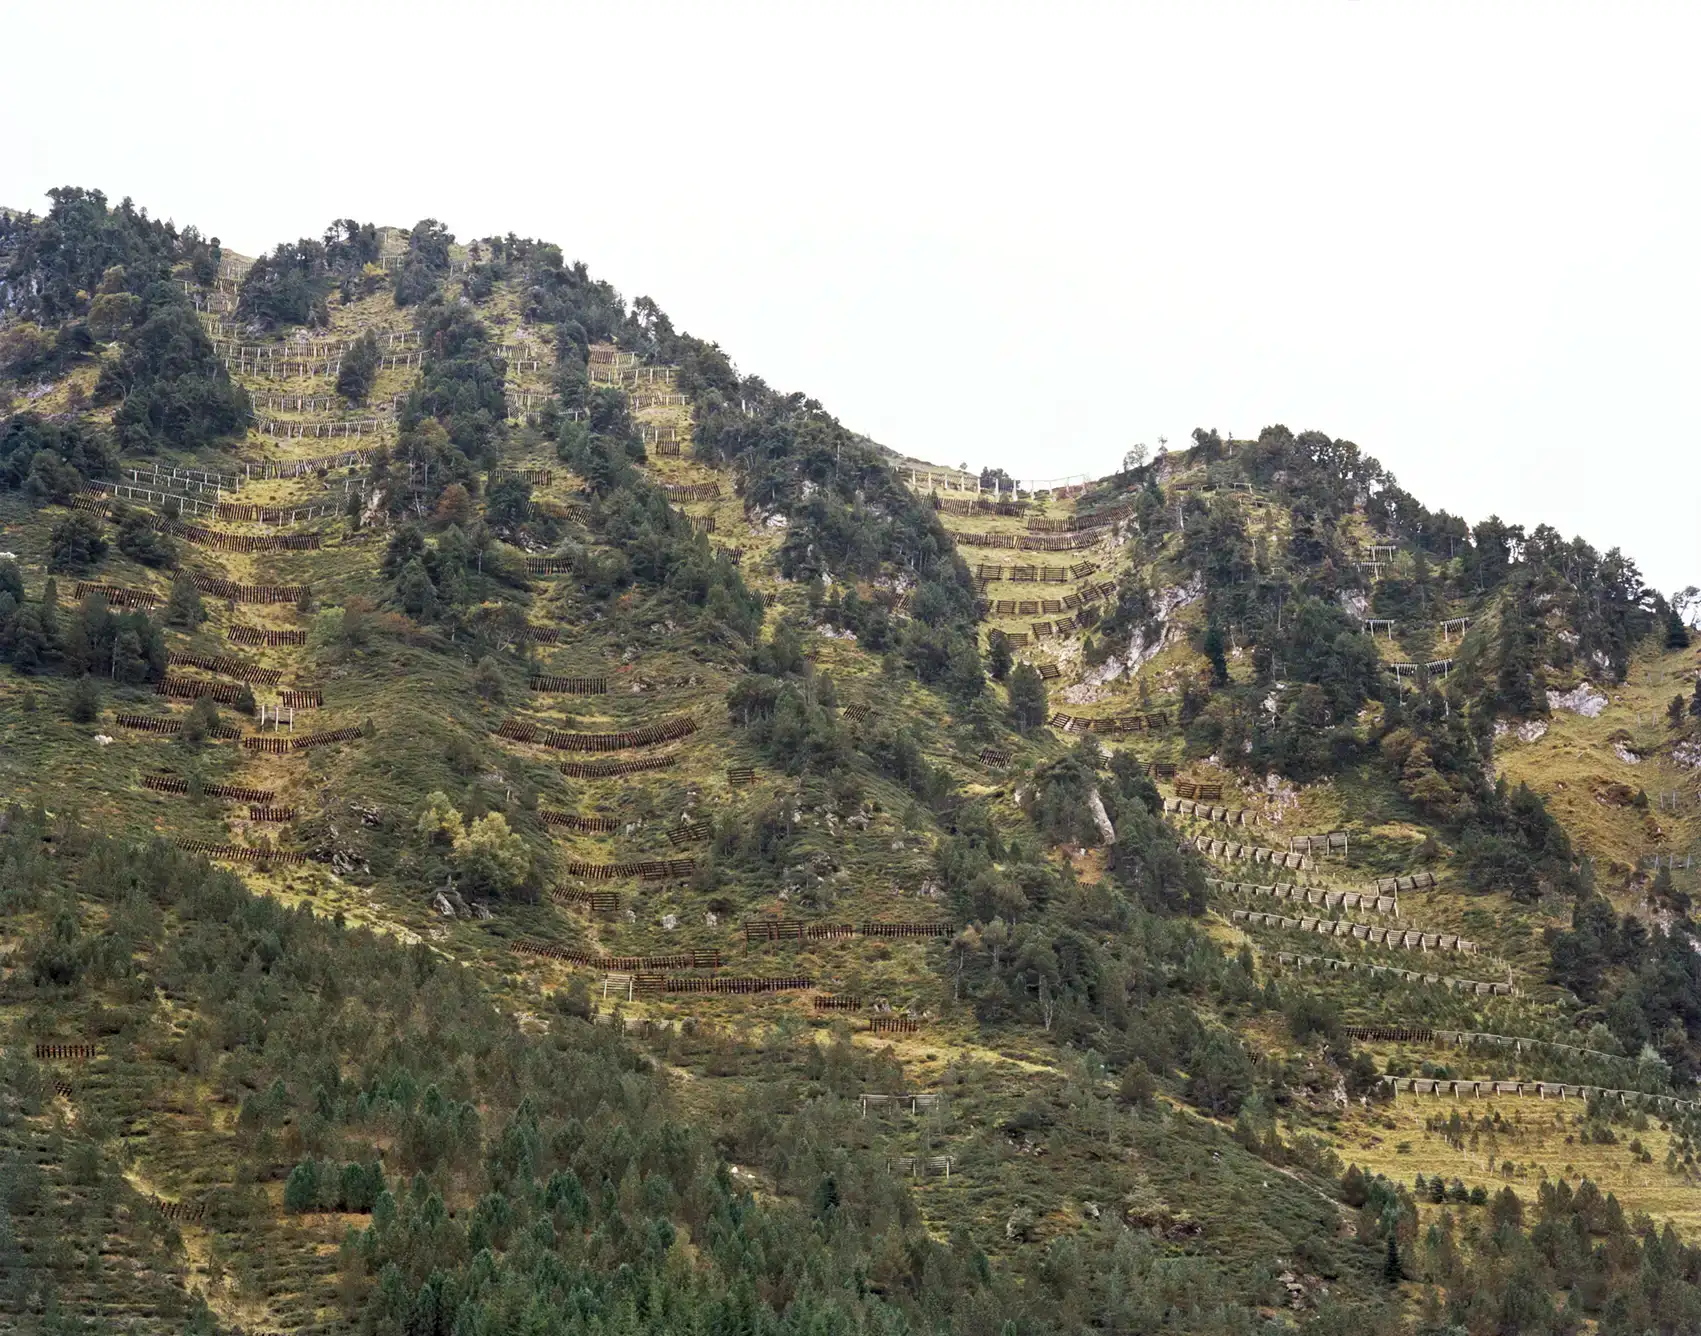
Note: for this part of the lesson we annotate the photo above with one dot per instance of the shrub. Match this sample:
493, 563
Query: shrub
83, 701
75, 544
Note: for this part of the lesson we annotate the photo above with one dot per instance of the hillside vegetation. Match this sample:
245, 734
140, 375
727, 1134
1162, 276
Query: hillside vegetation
514, 824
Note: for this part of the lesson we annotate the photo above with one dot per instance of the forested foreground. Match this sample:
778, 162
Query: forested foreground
498, 1175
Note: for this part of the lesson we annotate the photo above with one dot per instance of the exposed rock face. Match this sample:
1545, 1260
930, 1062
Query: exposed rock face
1101, 818
1531, 730
1146, 642
1582, 699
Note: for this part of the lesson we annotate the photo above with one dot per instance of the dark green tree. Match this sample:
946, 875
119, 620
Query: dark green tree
1677, 634
1029, 707
83, 701
1214, 651
184, 608
359, 368
75, 543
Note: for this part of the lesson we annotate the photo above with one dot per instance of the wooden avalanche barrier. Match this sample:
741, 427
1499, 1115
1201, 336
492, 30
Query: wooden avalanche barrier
1030, 542
1416, 882
541, 635
276, 746
64, 1052
1092, 519
1368, 901
1392, 1034
1480, 987
116, 596
241, 593
258, 635
303, 698
677, 960
277, 814
144, 723
1334, 842
193, 688
794, 930
235, 792
670, 730
573, 821
722, 983
894, 1024
598, 902
650, 869
1419, 1085
221, 541
690, 833
1403, 939
995, 757
856, 712
1127, 723
569, 686
231, 853
247, 512
1419, 1034
1209, 792
178, 1212
922, 1167
739, 775
614, 769
693, 491
1232, 816
835, 1002
228, 667
549, 565
906, 929
1254, 853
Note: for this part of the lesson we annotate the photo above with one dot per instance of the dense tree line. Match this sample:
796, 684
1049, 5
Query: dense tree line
292, 285
595, 1201
90, 639
82, 250
52, 461
108, 275
425, 263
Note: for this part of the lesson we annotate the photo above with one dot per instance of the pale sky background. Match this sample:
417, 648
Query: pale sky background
1461, 235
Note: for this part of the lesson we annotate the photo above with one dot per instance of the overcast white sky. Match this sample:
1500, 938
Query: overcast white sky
1461, 235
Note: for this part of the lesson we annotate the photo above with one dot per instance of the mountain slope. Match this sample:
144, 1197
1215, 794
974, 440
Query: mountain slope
605, 688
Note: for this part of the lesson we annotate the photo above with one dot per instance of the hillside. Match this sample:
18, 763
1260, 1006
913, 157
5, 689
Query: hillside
515, 823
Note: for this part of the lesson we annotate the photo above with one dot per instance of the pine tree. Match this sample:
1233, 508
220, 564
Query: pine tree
1028, 703
83, 703
184, 607
1677, 634
1214, 652
1393, 1270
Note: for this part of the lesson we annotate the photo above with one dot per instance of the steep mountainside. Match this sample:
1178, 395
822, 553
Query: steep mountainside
515, 824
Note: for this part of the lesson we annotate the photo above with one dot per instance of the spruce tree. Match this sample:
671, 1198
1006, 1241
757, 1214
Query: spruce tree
1214, 652
1393, 1271
1677, 634
1028, 704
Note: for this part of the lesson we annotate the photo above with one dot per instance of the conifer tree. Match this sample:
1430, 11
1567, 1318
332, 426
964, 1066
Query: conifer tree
1677, 634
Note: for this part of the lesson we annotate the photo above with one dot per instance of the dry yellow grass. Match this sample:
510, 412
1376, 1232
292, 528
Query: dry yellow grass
1392, 1139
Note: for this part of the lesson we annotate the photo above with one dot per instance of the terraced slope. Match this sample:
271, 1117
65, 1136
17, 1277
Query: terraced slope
641, 713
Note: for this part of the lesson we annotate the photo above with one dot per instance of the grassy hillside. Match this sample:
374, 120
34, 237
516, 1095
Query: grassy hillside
621, 770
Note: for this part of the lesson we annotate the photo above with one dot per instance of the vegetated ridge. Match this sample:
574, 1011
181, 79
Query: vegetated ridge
517, 824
